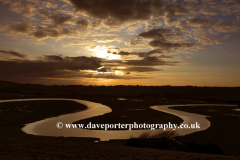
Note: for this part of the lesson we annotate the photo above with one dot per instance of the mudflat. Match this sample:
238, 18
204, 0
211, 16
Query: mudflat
17, 145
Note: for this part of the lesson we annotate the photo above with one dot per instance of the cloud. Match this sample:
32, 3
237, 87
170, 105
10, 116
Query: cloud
206, 23
182, 25
110, 23
124, 10
113, 76
156, 53
163, 34
141, 69
159, 53
60, 20
49, 4
130, 10
132, 29
170, 46
70, 63
227, 27
57, 18
13, 53
82, 23
95, 24
156, 34
150, 53
20, 27
171, 13
25, 9
40, 32
149, 61
123, 53
45, 32
165, 39
201, 8
151, 25
197, 22
52, 58
133, 42
49, 66
57, 66
108, 39
209, 41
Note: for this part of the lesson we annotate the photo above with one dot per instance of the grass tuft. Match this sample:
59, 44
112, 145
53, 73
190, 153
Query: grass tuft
161, 140
166, 141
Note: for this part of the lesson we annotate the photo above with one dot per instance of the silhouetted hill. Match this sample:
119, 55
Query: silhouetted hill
10, 90
4, 84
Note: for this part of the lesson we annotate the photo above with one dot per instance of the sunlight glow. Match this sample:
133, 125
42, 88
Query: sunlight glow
102, 52
116, 72
119, 73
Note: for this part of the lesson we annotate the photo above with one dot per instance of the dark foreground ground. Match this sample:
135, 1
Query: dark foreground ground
18, 145
36, 147
14, 144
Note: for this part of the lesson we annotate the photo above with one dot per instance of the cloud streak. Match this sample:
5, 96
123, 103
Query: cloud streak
13, 53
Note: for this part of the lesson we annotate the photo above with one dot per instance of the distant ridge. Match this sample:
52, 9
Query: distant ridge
7, 84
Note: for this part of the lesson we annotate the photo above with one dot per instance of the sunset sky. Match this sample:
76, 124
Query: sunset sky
120, 42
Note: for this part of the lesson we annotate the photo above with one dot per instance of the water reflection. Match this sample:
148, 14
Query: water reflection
122, 99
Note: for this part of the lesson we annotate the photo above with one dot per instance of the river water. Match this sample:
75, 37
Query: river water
47, 127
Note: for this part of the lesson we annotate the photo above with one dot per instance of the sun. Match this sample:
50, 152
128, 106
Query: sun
102, 52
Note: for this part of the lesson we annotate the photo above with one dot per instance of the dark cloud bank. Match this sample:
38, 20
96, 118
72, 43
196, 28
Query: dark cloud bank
53, 66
